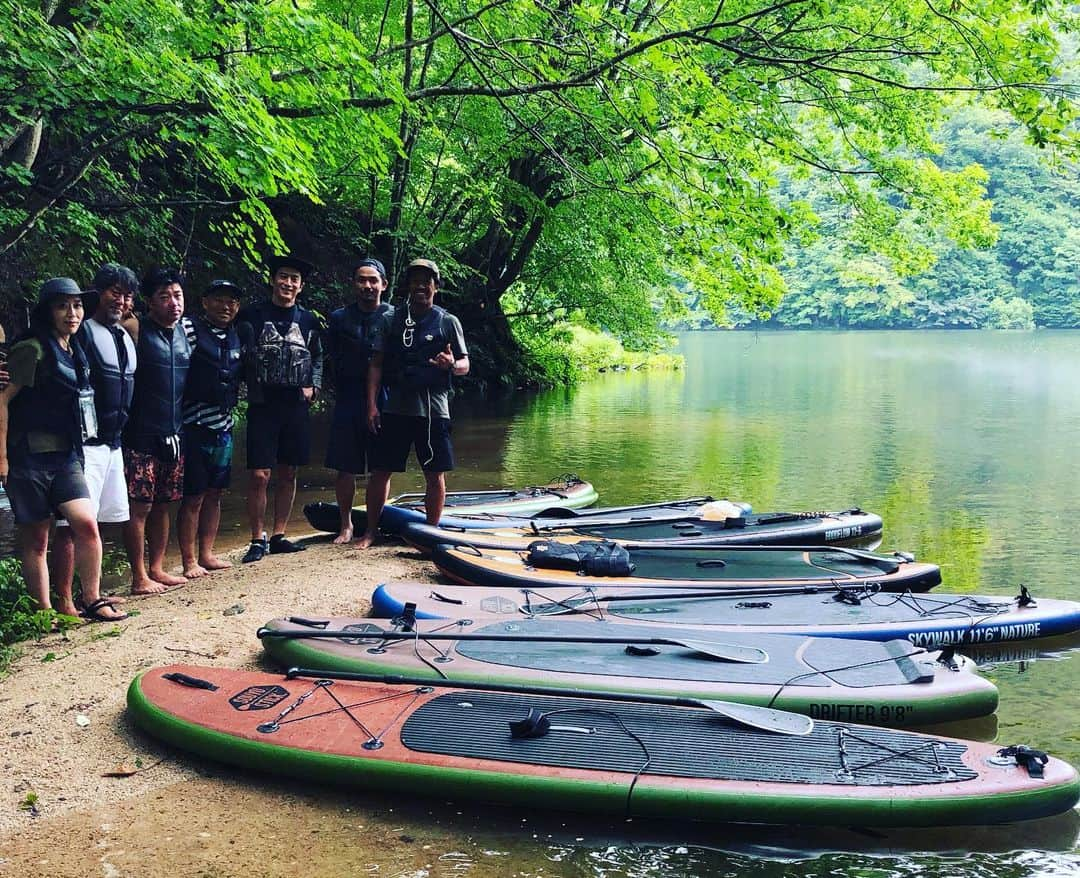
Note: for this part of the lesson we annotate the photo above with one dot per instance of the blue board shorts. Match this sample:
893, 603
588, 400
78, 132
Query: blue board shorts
207, 459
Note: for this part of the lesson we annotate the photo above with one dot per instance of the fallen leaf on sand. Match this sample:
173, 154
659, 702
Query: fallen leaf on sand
122, 770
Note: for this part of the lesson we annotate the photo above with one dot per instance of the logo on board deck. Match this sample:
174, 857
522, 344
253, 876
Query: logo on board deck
259, 697
498, 605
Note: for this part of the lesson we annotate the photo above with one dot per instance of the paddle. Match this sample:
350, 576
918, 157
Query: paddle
729, 652
890, 565
562, 512
450, 495
768, 719
570, 605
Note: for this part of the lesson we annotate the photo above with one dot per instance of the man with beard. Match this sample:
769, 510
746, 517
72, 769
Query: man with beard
422, 349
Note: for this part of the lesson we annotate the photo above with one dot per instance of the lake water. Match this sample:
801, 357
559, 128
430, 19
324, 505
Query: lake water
963, 442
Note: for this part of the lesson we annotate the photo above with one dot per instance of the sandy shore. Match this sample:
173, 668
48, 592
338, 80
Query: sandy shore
62, 722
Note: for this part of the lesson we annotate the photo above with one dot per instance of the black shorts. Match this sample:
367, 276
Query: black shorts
350, 440
278, 434
207, 459
400, 433
37, 490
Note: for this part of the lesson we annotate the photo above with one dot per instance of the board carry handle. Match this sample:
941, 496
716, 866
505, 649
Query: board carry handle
769, 719
730, 652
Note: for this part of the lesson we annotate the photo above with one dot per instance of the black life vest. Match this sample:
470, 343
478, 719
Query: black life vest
214, 376
52, 405
164, 359
113, 388
352, 334
282, 360
408, 350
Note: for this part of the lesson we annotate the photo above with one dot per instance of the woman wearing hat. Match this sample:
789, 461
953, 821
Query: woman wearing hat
46, 413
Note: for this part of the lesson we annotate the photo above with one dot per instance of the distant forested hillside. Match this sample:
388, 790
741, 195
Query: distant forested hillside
1021, 270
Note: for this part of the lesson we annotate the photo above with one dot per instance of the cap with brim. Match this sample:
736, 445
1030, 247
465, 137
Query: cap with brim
427, 265
289, 261
223, 288
56, 288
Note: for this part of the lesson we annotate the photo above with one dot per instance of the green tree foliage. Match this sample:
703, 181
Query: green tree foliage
560, 159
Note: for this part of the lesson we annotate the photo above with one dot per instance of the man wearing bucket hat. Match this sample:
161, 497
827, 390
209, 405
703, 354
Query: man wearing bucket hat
209, 399
46, 414
416, 358
111, 354
284, 362
351, 335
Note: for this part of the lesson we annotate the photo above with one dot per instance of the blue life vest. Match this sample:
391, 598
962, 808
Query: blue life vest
214, 376
164, 358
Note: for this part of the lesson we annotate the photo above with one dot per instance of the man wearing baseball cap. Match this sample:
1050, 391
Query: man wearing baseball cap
351, 334
416, 358
209, 399
284, 362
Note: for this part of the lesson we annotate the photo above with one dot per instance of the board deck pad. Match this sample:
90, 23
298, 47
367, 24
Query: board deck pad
808, 661
677, 743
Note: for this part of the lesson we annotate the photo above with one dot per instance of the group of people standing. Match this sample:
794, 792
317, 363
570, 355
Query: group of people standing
113, 418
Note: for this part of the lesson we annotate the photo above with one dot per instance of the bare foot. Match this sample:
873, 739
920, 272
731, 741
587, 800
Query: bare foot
343, 537
66, 608
212, 562
144, 587
167, 579
194, 571
366, 540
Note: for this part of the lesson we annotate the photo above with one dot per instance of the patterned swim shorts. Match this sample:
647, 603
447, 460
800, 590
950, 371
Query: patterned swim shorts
152, 480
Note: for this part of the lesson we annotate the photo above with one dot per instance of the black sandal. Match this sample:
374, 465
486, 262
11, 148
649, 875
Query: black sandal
92, 611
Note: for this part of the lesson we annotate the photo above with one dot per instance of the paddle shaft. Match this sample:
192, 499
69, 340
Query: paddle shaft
765, 717
696, 644
660, 594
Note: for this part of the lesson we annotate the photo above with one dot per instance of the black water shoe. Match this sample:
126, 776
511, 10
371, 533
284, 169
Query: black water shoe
281, 546
256, 550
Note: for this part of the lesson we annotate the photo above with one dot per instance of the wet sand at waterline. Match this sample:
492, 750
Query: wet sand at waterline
63, 727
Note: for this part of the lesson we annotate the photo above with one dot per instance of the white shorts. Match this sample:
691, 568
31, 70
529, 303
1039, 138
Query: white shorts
108, 487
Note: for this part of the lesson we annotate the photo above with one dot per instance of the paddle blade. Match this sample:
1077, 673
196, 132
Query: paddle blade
728, 652
769, 719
